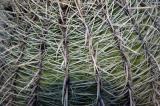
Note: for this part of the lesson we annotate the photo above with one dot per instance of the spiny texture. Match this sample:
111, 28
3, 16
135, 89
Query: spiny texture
80, 53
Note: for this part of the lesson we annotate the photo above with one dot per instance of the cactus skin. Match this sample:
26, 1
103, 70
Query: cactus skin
79, 53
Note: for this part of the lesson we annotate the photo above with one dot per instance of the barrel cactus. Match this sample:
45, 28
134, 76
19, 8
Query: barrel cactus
80, 53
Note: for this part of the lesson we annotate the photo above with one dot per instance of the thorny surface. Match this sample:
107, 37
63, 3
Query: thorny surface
79, 52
